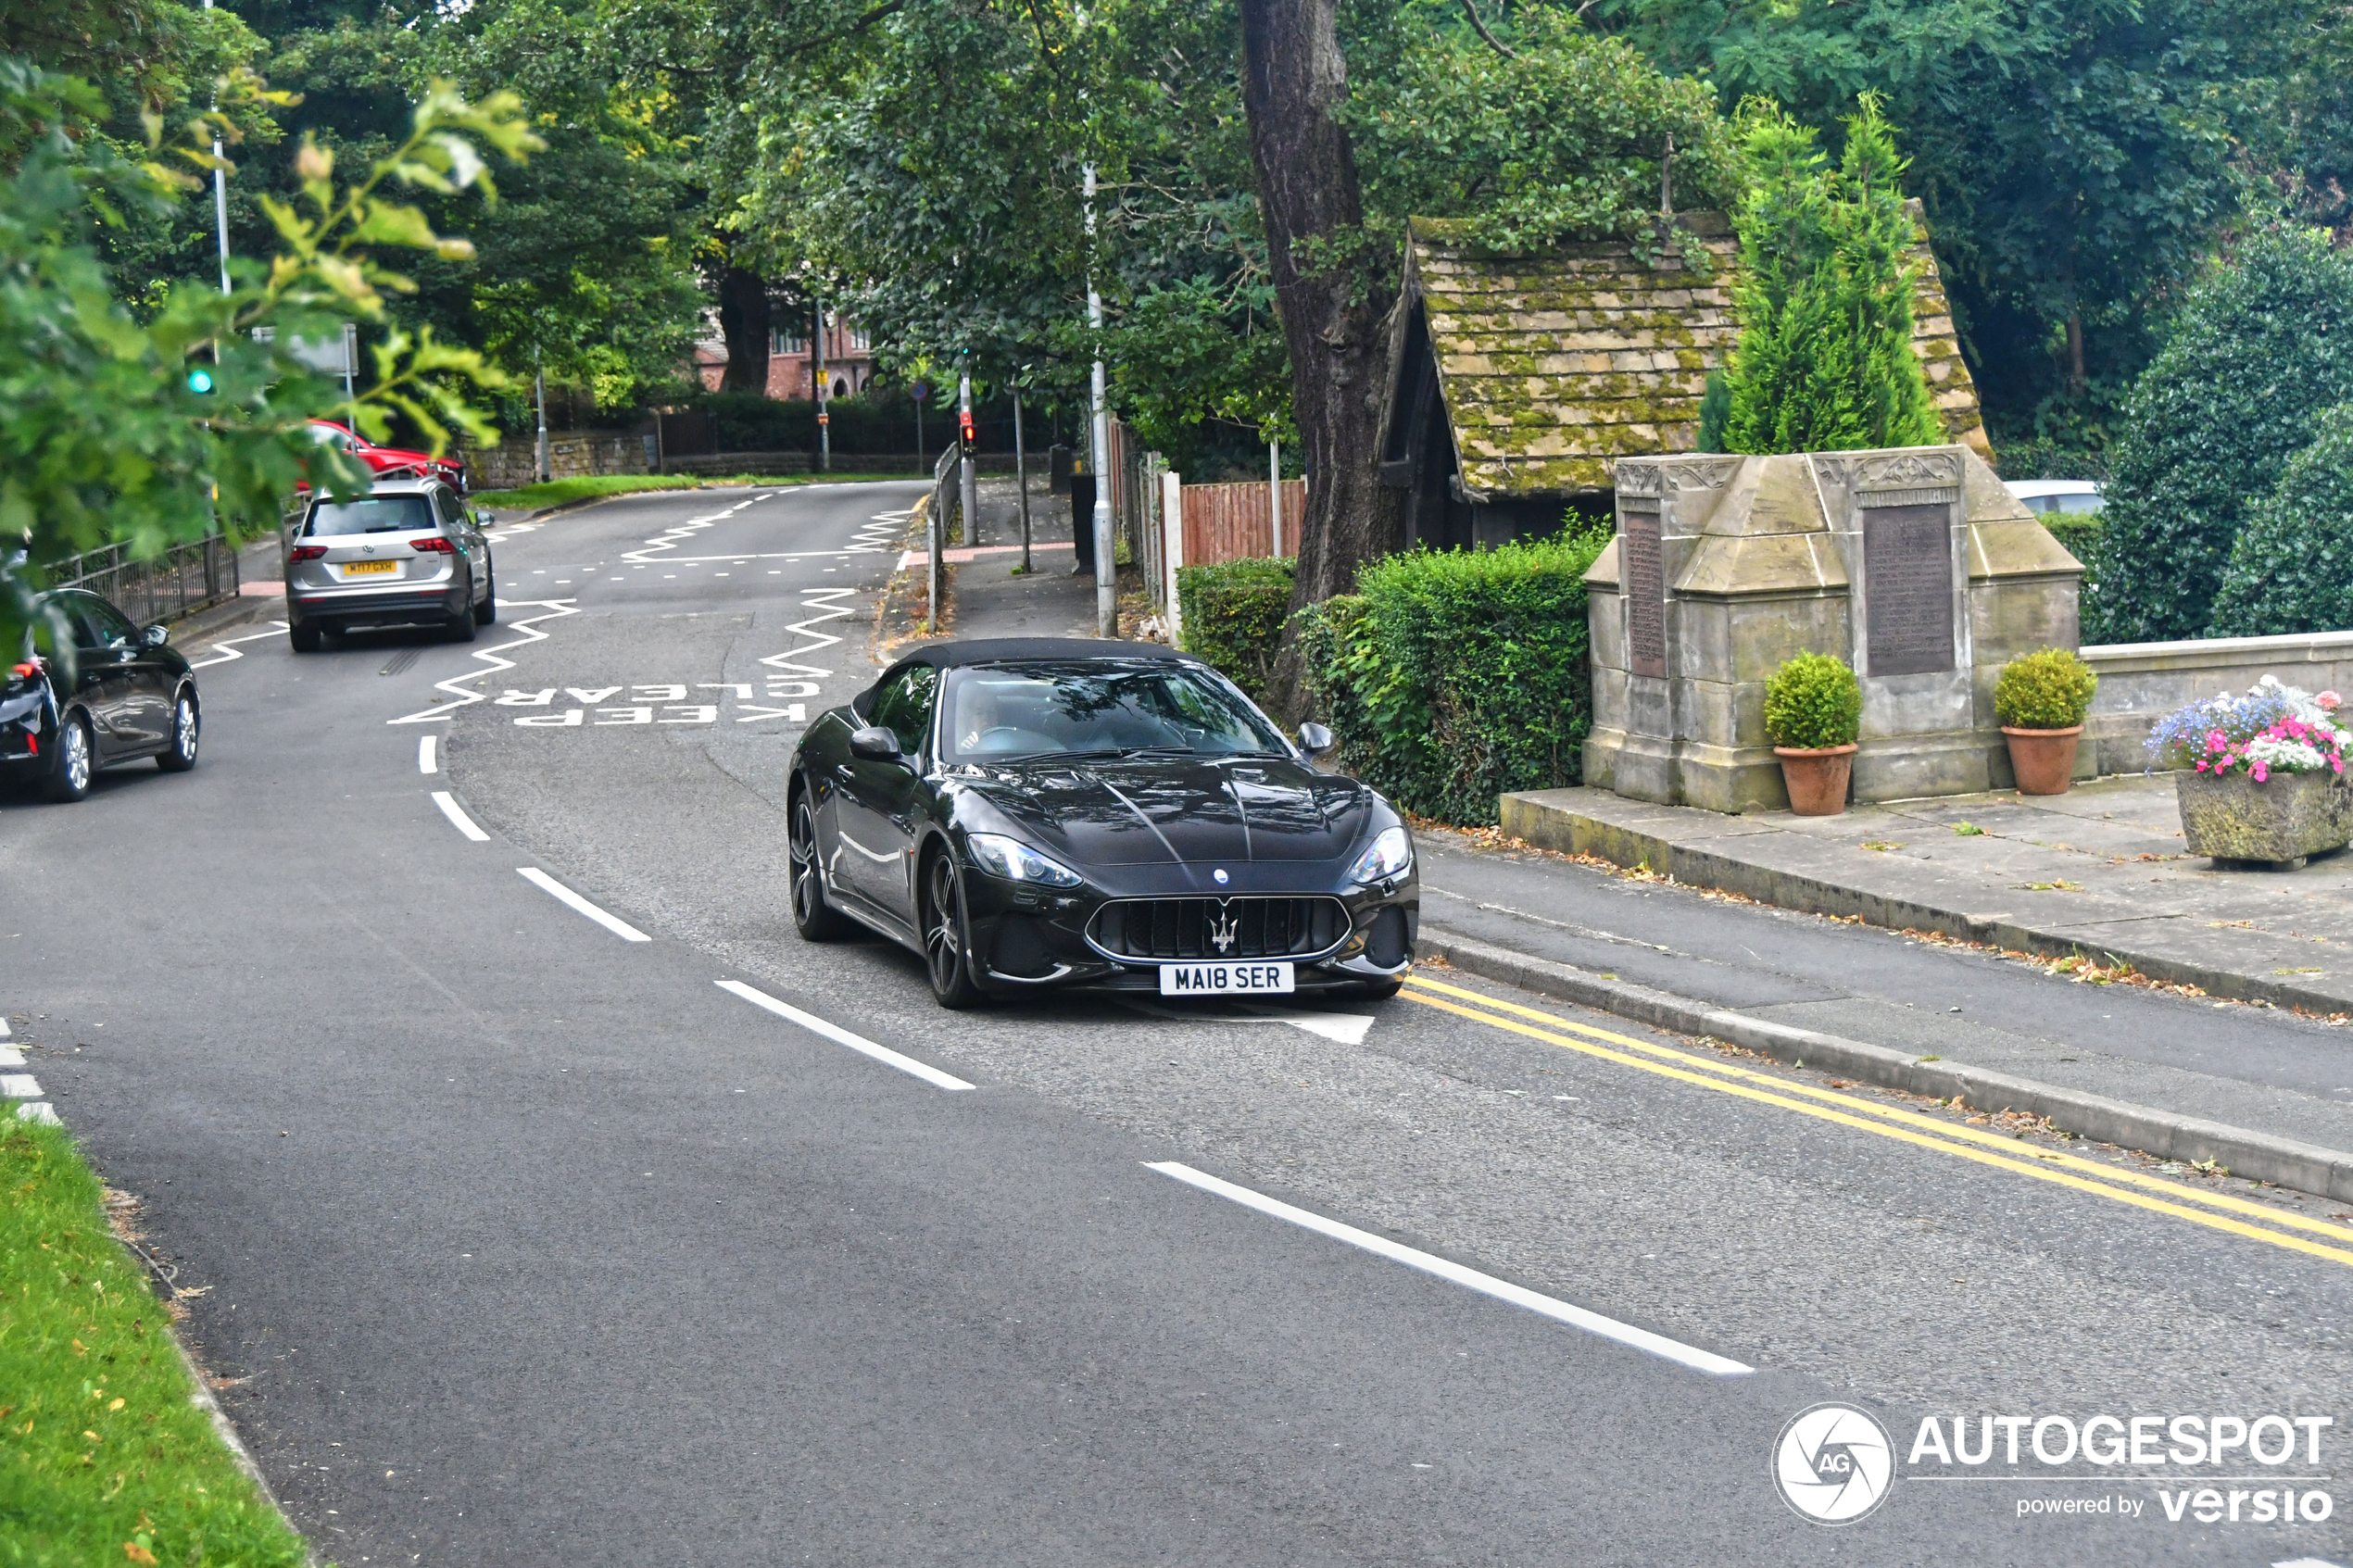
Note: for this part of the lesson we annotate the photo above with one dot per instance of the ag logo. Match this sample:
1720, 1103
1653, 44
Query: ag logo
1833, 1463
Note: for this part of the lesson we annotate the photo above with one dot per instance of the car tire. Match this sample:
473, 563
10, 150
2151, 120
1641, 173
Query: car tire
462, 625
305, 636
77, 762
486, 612
178, 753
947, 940
816, 920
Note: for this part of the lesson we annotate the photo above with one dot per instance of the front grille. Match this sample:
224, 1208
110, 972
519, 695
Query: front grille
1189, 928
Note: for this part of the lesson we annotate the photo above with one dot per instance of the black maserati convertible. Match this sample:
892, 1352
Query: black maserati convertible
1050, 813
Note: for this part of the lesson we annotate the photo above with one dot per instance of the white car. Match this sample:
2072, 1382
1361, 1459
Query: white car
2044, 497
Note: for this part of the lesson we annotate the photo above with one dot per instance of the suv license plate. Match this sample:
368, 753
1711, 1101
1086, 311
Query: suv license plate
1224, 979
367, 568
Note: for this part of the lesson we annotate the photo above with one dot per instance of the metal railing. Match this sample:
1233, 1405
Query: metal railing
182, 580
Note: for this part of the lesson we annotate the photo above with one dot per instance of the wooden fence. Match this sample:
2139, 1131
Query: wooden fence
1232, 523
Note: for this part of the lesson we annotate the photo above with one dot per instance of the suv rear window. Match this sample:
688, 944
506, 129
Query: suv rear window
376, 514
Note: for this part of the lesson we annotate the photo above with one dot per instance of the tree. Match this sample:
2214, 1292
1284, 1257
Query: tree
2077, 158
2260, 347
1825, 360
2292, 565
105, 435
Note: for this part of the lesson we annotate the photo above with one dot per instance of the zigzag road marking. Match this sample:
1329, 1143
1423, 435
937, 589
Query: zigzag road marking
226, 650
652, 549
456, 684
874, 537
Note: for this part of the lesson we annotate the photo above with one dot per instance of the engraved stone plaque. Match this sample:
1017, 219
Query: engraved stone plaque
1907, 589
1646, 588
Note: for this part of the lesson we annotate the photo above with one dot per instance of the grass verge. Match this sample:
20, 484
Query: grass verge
563, 492
103, 1459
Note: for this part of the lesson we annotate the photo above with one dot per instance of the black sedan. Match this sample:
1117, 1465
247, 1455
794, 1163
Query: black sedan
130, 695
1032, 814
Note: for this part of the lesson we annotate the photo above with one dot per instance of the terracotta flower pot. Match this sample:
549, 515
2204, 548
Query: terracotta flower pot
2043, 759
1816, 778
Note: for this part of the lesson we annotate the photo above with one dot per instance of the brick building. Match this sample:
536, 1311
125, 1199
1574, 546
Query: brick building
850, 358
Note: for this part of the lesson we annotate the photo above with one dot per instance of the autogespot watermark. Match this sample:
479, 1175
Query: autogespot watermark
1835, 1464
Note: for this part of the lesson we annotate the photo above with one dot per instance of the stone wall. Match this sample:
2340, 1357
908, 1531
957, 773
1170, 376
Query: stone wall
513, 463
2141, 683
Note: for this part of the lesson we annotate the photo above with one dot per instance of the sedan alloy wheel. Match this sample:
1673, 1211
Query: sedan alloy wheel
945, 947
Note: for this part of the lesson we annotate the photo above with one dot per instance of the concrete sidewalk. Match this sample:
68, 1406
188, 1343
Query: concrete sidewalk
988, 599
2264, 1091
2099, 871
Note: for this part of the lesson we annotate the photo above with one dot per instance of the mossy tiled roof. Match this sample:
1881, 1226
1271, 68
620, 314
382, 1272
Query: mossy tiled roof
1553, 365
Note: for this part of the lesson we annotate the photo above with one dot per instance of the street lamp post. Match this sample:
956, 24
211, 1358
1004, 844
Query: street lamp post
539, 395
220, 205
817, 384
1106, 591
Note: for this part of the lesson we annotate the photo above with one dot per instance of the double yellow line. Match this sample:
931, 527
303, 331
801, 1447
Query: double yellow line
2216, 1210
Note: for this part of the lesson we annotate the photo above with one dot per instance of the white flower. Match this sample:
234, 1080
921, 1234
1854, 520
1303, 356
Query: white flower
2287, 756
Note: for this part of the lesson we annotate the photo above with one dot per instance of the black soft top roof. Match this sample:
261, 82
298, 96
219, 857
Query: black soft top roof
1003, 650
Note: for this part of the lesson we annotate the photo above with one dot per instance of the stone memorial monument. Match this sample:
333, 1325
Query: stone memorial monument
1913, 565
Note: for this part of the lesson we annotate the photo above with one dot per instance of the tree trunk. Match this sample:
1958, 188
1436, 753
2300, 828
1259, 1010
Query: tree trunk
743, 318
1293, 81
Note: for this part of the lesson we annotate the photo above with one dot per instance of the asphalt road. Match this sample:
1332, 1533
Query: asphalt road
524, 1242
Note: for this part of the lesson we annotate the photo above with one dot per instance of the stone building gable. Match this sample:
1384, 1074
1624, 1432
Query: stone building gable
1549, 366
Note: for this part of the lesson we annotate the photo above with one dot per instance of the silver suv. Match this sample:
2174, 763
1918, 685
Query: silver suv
408, 553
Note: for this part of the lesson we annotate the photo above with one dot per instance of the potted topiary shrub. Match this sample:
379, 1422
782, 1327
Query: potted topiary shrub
2264, 782
2041, 698
1813, 713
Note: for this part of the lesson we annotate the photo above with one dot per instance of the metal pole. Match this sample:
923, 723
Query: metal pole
817, 365
539, 395
968, 475
1106, 590
350, 357
1021, 478
220, 203
1274, 497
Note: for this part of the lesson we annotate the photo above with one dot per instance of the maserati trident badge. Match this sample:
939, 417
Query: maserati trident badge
1222, 928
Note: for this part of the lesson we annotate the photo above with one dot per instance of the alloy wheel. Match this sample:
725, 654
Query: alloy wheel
942, 942
77, 760
803, 850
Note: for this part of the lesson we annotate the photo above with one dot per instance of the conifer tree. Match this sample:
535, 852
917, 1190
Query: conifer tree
1825, 361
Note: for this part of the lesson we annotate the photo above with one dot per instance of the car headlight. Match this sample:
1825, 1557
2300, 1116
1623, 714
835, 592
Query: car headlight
1016, 861
1390, 854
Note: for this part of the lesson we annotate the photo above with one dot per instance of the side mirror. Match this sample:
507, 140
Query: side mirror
482, 517
153, 636
875, 743
1315, 740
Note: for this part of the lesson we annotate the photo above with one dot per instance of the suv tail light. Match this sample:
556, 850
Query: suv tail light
432, 545
306, 552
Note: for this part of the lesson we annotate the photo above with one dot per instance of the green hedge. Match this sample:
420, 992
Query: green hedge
1455, 677
1232, 614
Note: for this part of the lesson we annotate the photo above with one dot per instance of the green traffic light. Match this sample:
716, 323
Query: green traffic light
199, 381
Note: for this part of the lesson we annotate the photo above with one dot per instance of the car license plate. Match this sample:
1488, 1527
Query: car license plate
1224, 979
367, 568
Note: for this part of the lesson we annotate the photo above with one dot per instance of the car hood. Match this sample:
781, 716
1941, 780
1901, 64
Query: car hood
1159, 810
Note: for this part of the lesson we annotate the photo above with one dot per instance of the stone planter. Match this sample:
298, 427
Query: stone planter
1816, 778
2043, 759
2275, 823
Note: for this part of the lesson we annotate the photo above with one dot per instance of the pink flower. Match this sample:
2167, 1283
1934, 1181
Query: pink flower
2329, 701
2201, 767
2218, 741
2261, 771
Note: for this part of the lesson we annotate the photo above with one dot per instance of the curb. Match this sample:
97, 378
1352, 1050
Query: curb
1697, 866
2325, 1173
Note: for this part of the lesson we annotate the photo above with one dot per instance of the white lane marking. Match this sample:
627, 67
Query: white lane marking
11, 1057
1345, 1028
566, 896
1485, 1285
842, 1036
455, 685
38, 1110
428, 754
457, 815
19, 1086
226, 650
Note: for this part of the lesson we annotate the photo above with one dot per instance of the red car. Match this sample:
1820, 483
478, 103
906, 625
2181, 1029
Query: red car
391, 462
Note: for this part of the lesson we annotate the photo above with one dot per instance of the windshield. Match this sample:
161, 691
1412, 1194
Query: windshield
998, 713
377, 514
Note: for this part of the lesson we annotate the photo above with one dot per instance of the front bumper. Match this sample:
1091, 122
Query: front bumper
1031, 938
